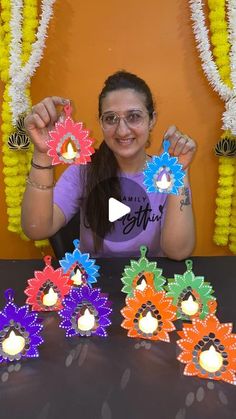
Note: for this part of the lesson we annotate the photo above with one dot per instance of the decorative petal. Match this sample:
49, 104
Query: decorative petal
104, 311
101, 331
65, 324
190, 369
32, 352
70, 332
10, 311
185, 357
23, 311
35, 329
37, 340
103, 321
132, 333
229, 377
163, 335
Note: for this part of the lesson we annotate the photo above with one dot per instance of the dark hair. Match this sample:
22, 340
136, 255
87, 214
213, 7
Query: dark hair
124, 80
101, 177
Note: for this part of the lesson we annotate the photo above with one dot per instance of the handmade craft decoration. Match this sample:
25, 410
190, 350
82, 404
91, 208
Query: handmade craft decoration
22, 40
139, 274
70, 142
19, 140
48, 288
80, 268
226, 147
163, 173
209, 349
19, 331
192, 296
215, 34
86, 312
149, 314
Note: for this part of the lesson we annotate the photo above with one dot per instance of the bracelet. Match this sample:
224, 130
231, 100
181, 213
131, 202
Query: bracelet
37, 166
38, 186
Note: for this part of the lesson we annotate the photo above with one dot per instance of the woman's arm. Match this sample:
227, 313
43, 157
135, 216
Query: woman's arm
178, 232
40, 218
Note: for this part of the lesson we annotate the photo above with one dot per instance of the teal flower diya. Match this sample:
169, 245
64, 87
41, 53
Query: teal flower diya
163, 173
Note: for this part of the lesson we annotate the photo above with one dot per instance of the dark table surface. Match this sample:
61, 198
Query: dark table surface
117, 377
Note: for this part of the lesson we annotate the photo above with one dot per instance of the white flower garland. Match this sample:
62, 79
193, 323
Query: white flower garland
20, 76
229, 116
203, 44
208, 64
232, 35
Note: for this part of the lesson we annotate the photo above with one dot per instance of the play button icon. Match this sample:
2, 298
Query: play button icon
116, 209
126, 210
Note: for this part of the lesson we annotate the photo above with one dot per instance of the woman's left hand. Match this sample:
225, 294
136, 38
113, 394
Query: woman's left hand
181, 146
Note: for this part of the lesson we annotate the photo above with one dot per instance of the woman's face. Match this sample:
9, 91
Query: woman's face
125, 122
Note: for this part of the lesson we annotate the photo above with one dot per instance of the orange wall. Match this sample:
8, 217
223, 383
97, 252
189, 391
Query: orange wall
87, 42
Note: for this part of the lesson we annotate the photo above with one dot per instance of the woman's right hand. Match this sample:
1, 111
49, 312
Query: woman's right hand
42, 119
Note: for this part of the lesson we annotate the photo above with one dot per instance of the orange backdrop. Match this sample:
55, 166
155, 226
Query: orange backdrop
87, 41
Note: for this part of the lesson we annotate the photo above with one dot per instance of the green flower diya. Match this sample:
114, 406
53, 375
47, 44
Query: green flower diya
191, 295
141, 273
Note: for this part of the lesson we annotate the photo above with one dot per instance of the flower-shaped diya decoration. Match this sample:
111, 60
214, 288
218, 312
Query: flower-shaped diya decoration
80, 268
149, 315
86, 312
142, 273
191, 295
209, 349
19, 331
70, 142
163, 173
48, 287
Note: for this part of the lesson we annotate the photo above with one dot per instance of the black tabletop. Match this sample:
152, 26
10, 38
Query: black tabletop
115, 377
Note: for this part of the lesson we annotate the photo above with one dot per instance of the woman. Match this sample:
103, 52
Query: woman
127, 116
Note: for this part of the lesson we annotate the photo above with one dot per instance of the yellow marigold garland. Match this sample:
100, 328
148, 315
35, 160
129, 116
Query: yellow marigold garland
8, 158
16, 163
232, 245
225, 192
226, 189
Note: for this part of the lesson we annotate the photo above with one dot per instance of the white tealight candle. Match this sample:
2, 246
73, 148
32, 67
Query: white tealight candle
77, 277
50, 299
148, 323
69, 154
86, 321
14, 344
211, 360
142, 285
189, 306
164, 183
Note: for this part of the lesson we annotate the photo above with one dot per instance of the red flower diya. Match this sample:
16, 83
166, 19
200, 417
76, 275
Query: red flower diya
70, 142
48, 288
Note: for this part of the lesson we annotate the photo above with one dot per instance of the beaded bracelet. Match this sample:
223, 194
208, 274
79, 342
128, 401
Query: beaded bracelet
37, 166
38, 186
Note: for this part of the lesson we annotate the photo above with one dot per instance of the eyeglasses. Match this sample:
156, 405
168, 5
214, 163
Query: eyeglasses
133, 119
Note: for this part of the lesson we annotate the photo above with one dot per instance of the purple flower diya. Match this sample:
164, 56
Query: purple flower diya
86, 312
19, 331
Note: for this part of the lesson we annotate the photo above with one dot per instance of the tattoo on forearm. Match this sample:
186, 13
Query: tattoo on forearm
186, 197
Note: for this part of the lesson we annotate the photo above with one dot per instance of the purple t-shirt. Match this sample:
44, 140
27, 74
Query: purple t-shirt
69, 195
